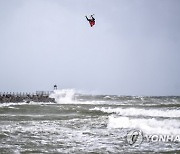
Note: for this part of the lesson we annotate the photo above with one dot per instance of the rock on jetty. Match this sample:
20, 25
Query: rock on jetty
39, 96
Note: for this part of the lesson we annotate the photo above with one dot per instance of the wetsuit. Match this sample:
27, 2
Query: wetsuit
91, 21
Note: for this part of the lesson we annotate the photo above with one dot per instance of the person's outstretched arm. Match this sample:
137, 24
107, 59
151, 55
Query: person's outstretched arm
92, 17
87, 18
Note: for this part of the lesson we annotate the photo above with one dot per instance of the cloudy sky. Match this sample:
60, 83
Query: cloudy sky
134, 48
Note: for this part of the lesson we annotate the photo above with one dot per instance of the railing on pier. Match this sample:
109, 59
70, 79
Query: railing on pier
38, 96
23, 94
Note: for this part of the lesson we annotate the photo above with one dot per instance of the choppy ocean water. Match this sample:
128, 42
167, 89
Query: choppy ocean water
80, 123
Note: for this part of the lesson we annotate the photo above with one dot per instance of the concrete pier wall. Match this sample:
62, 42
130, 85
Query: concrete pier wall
39, 96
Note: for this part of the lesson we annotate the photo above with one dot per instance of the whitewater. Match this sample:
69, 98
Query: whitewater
85, 123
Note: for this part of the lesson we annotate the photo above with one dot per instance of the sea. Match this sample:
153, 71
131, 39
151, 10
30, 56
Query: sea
94, 124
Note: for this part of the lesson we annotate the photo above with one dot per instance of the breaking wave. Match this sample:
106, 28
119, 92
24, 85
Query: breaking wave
140, 112
149, 126
71, 96
64, 96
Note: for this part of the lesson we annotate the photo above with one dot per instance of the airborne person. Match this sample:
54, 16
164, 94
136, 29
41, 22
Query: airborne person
91, 20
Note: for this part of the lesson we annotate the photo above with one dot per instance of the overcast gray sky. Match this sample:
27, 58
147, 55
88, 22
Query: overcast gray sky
134, 48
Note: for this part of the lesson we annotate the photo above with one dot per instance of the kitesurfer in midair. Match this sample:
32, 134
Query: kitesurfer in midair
91, 20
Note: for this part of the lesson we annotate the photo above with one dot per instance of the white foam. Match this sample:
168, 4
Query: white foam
68, 96
12, 104
9, 105
141, 112
64, 96
148, 126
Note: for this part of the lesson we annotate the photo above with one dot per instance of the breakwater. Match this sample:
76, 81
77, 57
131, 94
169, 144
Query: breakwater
38, 96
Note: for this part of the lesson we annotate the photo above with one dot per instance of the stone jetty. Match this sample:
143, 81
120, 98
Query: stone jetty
39, 96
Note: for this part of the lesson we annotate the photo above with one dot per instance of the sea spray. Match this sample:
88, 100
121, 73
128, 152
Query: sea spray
64, 96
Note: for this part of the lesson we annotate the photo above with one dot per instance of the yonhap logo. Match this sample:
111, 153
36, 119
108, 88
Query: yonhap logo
135, 137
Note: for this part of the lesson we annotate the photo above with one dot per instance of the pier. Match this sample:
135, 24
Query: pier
38, 96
